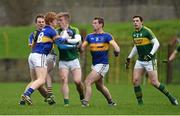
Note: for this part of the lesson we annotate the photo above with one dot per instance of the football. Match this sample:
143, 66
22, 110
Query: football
64, 34
70, 33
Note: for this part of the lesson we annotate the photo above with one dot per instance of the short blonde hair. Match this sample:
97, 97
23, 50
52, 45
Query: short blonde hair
64, 14
49, 17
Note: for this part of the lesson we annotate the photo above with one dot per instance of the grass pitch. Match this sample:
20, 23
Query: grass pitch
154, 101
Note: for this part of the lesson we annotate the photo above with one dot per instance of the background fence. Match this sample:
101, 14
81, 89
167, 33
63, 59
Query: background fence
17, 69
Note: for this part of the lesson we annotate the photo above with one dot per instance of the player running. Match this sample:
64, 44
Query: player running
99, 46
145, 45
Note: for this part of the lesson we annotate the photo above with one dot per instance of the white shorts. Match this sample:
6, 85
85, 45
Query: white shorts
147, 65
72, 64
37, 60
102, 69
51, 59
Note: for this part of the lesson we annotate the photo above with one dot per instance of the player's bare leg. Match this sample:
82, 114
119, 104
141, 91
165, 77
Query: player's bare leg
63, 73
153, 76
90, 79
104, 90
50, 98
76, 74
41, 89
137, 75
41, 76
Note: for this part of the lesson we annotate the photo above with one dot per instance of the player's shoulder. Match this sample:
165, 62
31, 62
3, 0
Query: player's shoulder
47, 27
147, 29
108, 35
32, 34
90, 34
73, 28
49, 31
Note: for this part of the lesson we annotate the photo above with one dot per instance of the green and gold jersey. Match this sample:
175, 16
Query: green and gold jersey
142, 40
68, 54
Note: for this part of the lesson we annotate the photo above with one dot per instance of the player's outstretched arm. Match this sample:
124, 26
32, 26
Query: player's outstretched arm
75, 40
59, 40
116, 48
128, 59
83, 46
66, 46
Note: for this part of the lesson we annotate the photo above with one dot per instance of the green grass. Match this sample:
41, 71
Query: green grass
154, 101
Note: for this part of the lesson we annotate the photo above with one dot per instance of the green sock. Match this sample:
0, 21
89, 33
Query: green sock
138, 93
66, 101
81, 97
165, 91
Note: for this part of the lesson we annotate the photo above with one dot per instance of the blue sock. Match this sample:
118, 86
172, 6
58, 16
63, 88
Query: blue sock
29, 92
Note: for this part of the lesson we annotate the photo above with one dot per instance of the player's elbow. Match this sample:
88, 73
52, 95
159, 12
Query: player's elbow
78, 37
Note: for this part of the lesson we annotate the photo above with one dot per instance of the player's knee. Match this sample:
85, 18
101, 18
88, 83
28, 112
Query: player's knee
41, 81
87, 82
135, 81
63, 80
77, 82
155, 82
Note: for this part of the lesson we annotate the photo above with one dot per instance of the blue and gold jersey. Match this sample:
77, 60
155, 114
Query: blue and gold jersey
99, 46
45, 41
33, 37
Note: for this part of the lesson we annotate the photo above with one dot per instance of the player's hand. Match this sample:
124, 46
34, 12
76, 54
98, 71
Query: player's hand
127, 63
64, 34
148, 57
70, 33
116, 53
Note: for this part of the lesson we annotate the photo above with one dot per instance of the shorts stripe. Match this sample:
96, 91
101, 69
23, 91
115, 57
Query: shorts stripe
43, 60
154, 64
102, 68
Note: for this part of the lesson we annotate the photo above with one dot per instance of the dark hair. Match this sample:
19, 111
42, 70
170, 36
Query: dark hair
39, 16
100, 20
50, 16
137, 16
